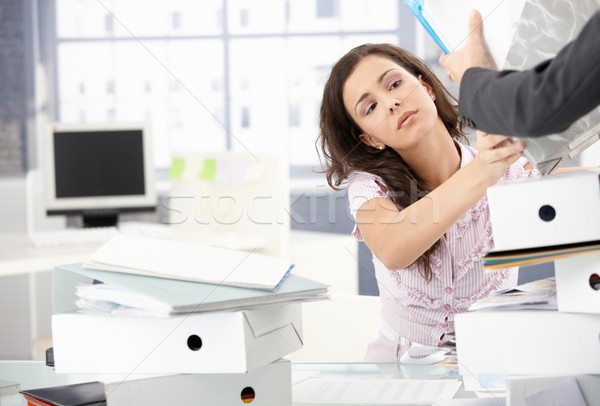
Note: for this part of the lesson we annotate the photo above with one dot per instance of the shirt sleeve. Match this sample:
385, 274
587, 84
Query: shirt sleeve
362, 187
518, 170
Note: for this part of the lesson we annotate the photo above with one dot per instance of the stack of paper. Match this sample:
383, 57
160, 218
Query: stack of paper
539, 294
537, 255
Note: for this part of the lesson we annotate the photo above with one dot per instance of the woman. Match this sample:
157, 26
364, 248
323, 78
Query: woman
391, 131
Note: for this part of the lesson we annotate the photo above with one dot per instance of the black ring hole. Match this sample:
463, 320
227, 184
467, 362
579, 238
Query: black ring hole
595, 281
547, 212
194, 342
247, 394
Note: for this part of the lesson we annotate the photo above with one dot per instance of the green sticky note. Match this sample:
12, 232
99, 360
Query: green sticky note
209, 170
176, 169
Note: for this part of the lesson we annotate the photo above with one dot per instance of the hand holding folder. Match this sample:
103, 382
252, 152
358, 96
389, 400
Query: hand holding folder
446, 22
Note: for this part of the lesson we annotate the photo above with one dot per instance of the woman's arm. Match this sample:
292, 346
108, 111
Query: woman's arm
398, 238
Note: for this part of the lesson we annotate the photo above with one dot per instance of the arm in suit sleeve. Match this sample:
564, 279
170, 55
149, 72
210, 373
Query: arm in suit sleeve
543, 100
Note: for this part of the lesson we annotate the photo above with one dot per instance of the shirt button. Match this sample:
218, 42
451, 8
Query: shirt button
447, 307
449, 290
445, 325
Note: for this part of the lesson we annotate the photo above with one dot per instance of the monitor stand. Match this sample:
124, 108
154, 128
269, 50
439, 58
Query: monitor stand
100, 218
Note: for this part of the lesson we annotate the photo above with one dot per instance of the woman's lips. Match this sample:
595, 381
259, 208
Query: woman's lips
406, 118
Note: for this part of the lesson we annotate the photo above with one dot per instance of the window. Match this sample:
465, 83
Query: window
243, 75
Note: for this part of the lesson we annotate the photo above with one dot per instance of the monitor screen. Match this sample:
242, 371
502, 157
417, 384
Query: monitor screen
98, 171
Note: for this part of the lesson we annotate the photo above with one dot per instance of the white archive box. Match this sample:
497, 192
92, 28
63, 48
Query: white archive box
527, 342
266, 386
270, 385
212, 342
578, 283
546, 211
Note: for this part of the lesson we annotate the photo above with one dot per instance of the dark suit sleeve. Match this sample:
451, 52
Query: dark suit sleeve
544, 100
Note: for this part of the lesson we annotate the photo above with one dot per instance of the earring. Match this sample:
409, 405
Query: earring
381, 147
432, 96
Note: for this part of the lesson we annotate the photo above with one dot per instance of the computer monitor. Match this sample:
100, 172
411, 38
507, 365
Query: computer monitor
98, 171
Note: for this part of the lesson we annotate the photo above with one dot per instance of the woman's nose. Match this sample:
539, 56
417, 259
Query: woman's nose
395, 104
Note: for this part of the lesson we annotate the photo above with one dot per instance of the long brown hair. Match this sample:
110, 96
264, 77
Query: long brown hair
342, 151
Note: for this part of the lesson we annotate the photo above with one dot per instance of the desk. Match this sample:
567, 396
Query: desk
32, 374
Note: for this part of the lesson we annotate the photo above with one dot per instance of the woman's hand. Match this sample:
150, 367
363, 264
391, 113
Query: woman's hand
496, 154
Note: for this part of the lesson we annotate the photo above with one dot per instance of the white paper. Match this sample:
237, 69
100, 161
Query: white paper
383, 391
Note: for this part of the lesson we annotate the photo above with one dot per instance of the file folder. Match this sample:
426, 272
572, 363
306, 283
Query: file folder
213, 342
547, 211
578, 283
268, 386
527, 342
170, 297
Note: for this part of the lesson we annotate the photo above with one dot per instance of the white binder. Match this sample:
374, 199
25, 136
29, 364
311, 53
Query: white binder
578, 283
267, 386
527, 342
216, 342
551, 210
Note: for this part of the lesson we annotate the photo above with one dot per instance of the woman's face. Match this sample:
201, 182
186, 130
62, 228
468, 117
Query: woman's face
390, 105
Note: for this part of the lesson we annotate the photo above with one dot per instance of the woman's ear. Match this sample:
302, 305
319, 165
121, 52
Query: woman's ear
370, 141
426, 85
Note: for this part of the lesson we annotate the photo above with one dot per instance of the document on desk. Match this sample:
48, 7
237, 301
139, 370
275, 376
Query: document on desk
384, 391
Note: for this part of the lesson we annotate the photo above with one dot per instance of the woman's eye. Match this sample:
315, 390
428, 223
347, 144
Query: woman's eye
395, 84
370, 108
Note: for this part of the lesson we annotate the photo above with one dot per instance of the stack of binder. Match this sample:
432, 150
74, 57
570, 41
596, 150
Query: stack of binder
541, 215
198, 342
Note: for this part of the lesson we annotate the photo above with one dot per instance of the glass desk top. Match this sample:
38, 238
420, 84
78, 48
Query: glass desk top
35, 374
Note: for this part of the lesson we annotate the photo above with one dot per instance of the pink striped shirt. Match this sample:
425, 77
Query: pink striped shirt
420, 312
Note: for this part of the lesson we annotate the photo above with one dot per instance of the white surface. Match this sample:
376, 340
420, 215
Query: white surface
328, 258
338, 330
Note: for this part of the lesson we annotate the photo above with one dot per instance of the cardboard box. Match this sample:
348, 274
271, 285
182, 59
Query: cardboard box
216, 342
527, 342
546, 211
578, 283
